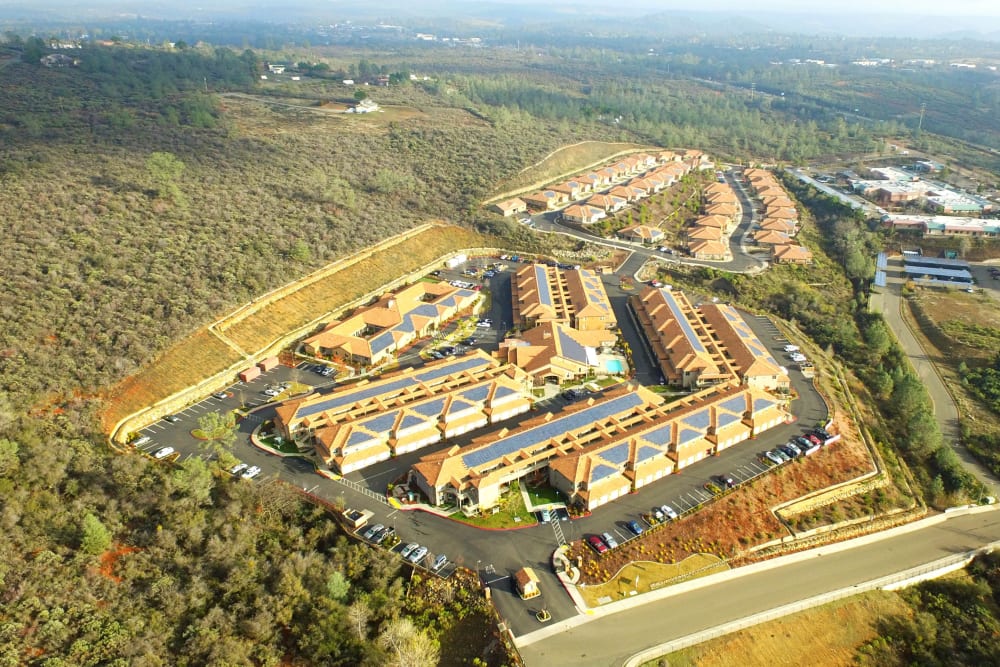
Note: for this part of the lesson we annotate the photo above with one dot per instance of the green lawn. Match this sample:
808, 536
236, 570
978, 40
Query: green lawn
545, 494
513, 516
285, 446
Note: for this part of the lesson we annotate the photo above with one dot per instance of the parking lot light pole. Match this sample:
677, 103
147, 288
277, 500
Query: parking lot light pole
478, 575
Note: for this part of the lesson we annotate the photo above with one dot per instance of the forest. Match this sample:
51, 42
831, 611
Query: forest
150, 190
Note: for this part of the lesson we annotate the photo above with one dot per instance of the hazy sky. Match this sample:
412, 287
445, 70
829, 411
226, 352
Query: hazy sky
840, 7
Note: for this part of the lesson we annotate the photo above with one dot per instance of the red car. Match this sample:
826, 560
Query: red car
597, 543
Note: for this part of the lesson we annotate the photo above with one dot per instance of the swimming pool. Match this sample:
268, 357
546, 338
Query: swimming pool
614, 366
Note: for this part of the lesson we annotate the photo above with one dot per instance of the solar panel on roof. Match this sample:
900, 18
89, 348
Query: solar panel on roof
938, 272
359, 438
476, 394
542, 278
725, 419
737, 404
429, 408
688, 435
646, 453
428, 375
382, 342
686, 327
406, 325
380, 423
503, 391
701, 419
555, 428
571, 349
939, 262
458, 405
411, 420
881, 261
660, 436
881, 280
601, 472
617, 454
762, 404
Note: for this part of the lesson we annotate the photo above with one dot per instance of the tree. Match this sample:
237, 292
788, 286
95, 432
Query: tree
164, 169
337, 587
360, 95
195, 480
95, 537
406, 645
217, 431
359, 614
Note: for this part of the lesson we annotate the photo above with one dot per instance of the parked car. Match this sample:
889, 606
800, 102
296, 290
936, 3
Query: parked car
791, 348
597, 544
669, 512
271, 392
370, 533
656, 516
801, 443
788, 451
250, 472
141, 440
634, 527
220, 395
238, 468
544, 516
439, 562
822, 433
470, 340
418, 555
727, 481
773, 458
813, 438
173, 419
327, 372
163, 452
609, 540
781, 454
408, 549
382, 535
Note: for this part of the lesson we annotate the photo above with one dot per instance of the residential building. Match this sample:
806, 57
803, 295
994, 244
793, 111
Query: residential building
373, 334
699, 347
511, 207
791, 254
601, 449
403, 426
546, 200
713, 251
300, 418
583, 214
771, 237
704, 234
555, 353
641, 234
608, 202
575, 297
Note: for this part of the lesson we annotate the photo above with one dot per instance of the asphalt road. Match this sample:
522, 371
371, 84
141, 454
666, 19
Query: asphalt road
611, 639
945, 410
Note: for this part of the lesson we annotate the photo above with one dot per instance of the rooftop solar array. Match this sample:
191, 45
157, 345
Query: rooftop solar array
936, 272
762, 404
675, 309
881, 261
458, 405
476, 394
940, 262
700, 419
880, 279
411, 420
380, 423
646, 453
571, 349
382, 342
617, 454
503, 392
430, 408
358, 437
725, 419
348, 397
555, 428
688, 435
660, 436
602, 472
544, 291
737, 404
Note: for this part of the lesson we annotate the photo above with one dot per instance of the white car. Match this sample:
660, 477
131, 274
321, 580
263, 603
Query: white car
798, 358
417, 555
791, 348
163, 453
238, 468
409, 549
439, 562
250, 472
669, 511
142, 441
271, 392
